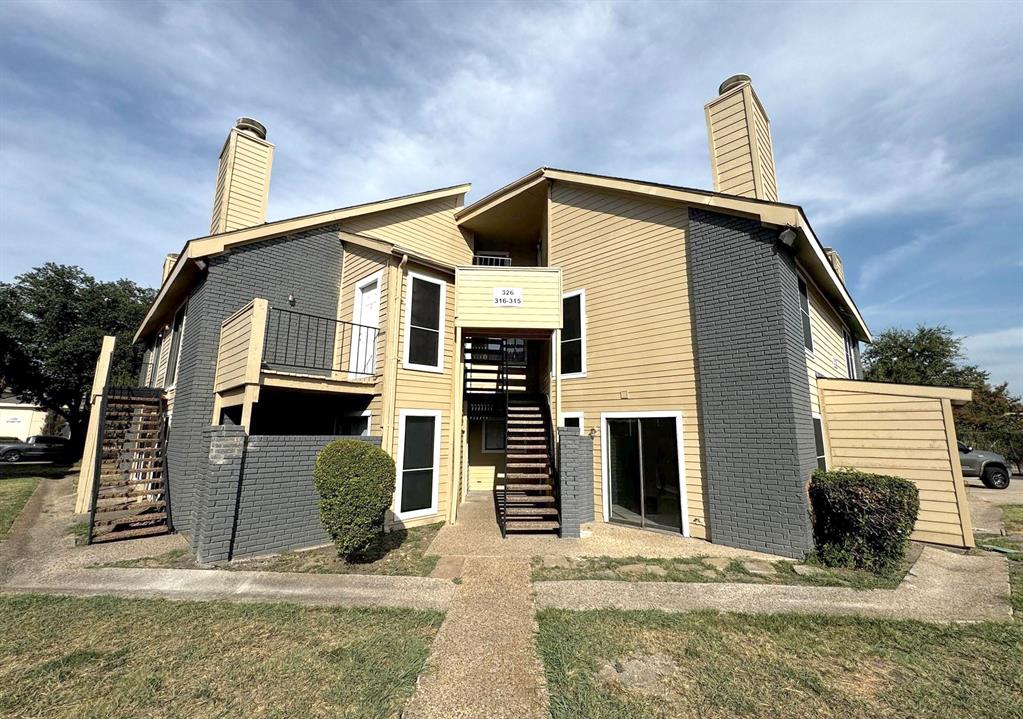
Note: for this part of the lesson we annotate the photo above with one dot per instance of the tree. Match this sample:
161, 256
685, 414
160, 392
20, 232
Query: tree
52, 321
934, 356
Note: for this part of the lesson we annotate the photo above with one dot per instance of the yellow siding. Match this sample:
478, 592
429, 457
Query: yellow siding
427, 229
629, 256
484, 467
904, 436
739, 133
360, 263
233, 350
541, 297
243, 182
417, 389
828, 356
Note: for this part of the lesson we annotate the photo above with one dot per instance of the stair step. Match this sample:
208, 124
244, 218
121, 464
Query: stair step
509, 465
529, 511
527, 475
529, 487
519, 525
526, 455
109, 536
128, 509
130, 519
531, 499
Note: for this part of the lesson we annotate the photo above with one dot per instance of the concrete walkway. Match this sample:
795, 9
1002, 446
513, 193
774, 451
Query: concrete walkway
476, 534
941, 587
39, 555
483, 662
206, 585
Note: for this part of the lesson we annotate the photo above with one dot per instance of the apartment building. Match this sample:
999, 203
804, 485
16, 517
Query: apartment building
584, 347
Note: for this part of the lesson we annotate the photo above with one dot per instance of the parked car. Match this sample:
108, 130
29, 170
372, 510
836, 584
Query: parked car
992, 468
38, 448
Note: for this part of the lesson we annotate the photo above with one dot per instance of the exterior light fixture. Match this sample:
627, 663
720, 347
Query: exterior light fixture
291, 299
788, 237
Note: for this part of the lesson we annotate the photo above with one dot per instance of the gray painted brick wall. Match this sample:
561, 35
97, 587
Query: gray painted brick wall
307, 265
278, 507
215, 517
575, 468
754, 397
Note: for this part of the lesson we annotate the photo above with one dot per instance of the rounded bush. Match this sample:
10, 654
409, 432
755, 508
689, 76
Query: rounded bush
862, 520
355, 481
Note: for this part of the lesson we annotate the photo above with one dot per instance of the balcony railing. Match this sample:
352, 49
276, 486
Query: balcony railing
491, 261
259, 338
304, 342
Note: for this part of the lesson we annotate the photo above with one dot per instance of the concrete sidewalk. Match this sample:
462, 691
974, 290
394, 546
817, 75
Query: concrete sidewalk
941, 587
205, 585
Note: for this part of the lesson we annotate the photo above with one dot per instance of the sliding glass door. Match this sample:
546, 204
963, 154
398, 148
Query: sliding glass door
643, 472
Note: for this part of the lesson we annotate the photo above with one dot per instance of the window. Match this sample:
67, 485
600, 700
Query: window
424, 323
572, 419
493, 436
418, 462
818, 443
353, 425
155, 364
175, 350
850, 356
804, 305
573, 334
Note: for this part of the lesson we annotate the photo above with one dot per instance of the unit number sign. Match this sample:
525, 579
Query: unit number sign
507, 296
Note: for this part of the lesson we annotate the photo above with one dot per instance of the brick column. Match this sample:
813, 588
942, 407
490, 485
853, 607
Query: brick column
575, 466
218, 496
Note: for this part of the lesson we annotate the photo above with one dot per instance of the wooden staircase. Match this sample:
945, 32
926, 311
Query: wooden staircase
529, 501
130, 490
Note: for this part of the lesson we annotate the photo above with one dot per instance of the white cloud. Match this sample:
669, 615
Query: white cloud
1000, 352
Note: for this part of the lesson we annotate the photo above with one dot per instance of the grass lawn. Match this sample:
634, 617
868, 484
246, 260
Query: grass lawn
105, 657
399, 552
1012, 516
604, 664
14, 493
705, 569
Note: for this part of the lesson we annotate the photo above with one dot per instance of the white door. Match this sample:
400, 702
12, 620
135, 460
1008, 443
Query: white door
364, 333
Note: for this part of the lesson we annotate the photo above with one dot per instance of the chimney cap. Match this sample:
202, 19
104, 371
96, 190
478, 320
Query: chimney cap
733, 82
248, 124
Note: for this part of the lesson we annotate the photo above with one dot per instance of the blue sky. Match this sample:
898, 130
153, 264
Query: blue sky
899, 127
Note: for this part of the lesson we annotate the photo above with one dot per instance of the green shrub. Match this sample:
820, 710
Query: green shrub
355, 481
862, 520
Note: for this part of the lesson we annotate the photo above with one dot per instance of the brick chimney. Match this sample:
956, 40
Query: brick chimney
243, 178
741, 156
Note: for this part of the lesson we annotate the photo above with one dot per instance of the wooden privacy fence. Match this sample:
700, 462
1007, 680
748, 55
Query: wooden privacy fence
906, 431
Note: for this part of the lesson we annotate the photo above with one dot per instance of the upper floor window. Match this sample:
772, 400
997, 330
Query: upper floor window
804, 306
175, 348
155, 362
573, 334
424, 323
850, 355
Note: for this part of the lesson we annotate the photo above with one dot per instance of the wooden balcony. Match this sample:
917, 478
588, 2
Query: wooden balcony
508, 298
273, 347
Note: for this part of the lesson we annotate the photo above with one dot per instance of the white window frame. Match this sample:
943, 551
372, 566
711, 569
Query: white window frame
357, 319
575, 415
824, 441
406, 363
582, 331
432, 509
850, 355
809, 315
604, 475
181, 341
483, 438
368, 414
